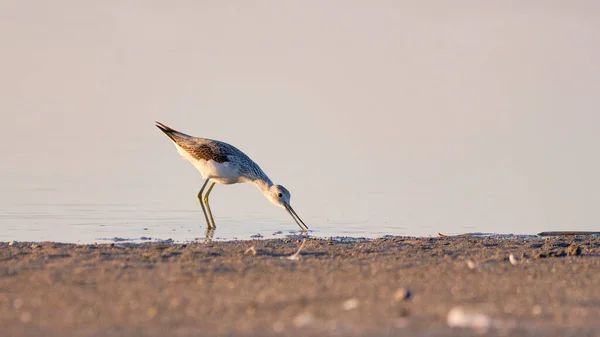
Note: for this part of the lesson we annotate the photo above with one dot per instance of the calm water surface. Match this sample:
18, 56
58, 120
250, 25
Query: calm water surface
162, 220
86, 223
405, 118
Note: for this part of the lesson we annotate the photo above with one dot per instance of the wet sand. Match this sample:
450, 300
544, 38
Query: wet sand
382, 287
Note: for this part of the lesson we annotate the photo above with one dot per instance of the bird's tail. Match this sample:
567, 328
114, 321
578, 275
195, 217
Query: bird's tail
175, 135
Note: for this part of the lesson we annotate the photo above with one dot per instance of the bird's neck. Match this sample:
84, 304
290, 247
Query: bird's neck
263, 185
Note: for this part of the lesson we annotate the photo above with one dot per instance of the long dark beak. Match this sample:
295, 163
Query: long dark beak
299, 221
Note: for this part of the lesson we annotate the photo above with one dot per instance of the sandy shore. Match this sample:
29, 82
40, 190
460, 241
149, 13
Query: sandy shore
382, 287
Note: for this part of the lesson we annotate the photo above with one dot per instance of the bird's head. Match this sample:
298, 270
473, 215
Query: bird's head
280, 196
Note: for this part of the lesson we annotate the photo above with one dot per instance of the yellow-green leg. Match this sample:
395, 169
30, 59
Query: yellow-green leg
208, 205
208, 223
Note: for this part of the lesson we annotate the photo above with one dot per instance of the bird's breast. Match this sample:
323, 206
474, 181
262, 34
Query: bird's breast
222, 173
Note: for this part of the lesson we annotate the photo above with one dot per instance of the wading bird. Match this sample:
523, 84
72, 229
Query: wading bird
219, 162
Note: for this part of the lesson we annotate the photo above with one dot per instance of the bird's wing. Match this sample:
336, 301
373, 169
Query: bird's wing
198, 148
204, 150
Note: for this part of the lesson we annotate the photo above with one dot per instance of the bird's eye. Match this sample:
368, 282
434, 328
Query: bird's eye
280, 195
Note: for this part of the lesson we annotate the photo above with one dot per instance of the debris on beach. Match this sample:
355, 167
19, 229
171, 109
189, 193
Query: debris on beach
296, 255
573, 250
401, 294
552, 253
513, 260
460, 318
256, 236
12, 243
568, 233
250, 250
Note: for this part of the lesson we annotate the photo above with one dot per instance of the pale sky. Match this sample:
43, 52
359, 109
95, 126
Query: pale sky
435, 114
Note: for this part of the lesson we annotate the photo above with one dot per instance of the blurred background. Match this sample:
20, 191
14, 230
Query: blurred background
381, 117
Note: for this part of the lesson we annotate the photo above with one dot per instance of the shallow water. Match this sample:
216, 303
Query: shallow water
87, 223
384, 123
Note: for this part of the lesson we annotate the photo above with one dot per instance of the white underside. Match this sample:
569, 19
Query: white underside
222, 173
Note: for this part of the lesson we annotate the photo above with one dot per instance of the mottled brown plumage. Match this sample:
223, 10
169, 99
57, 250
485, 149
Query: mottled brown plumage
219, 162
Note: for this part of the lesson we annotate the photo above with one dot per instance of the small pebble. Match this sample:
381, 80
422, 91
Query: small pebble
350, 304
401, 294
458, 317
152, 312
18, 303
536, 310
513, 260
471, 264
34, 246
303, 319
